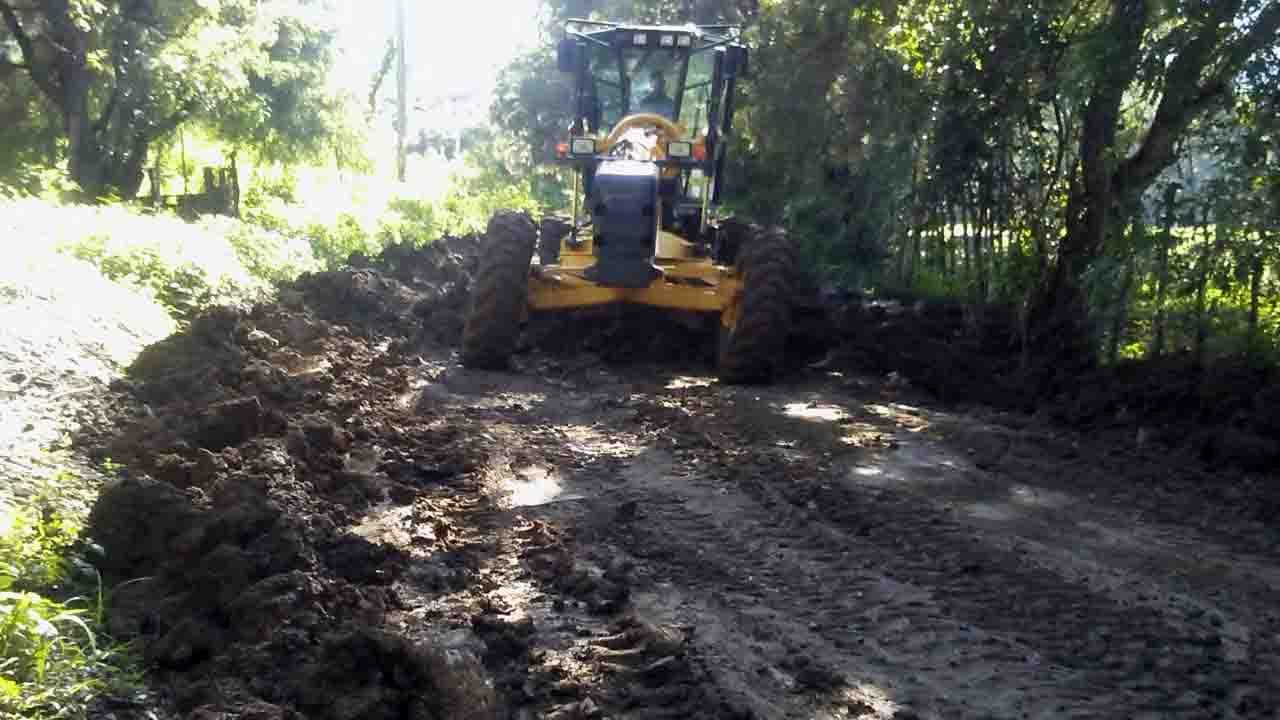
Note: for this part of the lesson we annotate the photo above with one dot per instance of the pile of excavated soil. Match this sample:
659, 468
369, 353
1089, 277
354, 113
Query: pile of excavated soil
252, 442
257, 440
1226, 413
256, 446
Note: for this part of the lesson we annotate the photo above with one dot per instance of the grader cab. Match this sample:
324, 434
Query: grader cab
653, 111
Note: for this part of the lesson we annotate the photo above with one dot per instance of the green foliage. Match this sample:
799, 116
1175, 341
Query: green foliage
252, 73
37, 181
333, 244
482, 191
184, 266
266, 187
269, 256
533, 103
409, 221
33, 546
183, 290
53, 660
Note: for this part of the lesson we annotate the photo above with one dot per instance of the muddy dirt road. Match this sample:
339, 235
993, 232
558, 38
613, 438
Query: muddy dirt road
829, 547
324, 515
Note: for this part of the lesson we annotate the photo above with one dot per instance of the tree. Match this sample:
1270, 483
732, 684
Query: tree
1207, 44
121, 74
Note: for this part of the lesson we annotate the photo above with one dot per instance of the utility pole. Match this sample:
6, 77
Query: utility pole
402, 91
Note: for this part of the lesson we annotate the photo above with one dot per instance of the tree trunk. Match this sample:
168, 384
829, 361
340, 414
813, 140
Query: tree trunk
1120, 315
1059, 322
1255, 295
1162, 272
1208, 258
980, 212
913, 259
69, 90
61, 69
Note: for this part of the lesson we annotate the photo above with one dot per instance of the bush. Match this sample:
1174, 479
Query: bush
184, 266
269, 255
181, 289
53, 657
333, 244
408, 221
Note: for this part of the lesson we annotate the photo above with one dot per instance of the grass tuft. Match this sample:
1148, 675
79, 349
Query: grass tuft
55, 657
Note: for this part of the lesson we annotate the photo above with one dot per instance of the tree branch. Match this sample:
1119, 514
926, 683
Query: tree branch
108, 109
171, 123
19, 33
1187, 96
105, 116
38, 76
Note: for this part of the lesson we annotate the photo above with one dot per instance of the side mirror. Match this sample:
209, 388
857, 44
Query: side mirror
567, 55
736, 61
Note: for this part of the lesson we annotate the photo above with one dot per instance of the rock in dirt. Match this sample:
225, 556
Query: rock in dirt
504, 638
137, 521
369, 674
228, 423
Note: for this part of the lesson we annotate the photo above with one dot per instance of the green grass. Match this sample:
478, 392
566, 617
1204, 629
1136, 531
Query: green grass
183, 266
54, 655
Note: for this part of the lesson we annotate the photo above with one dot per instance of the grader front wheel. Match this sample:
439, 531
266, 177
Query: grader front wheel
753, 338
499, 292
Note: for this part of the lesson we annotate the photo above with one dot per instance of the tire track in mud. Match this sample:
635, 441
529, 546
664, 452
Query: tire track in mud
826, 619
571, 647
807, 595
1066, 649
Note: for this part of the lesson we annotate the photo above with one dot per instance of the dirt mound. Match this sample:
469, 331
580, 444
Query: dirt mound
955, 353
254, 443
1225, 412
257, 441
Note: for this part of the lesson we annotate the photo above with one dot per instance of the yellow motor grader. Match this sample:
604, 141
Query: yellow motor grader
653, 110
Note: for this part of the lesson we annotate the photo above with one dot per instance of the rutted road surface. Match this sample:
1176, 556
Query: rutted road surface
665, 546
324, 515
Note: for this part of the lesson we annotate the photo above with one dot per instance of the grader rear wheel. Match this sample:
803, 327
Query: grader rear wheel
499, 293
751, 344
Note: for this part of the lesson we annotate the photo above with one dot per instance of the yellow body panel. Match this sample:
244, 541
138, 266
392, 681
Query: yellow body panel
564, 291
686, 283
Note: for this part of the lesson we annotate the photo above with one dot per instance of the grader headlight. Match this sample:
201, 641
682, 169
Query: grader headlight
679, 149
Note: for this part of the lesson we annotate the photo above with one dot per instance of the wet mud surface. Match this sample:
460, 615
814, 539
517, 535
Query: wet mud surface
325, 516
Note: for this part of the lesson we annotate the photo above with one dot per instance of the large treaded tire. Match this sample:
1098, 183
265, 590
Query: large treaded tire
552, 230
499, 292
752, 351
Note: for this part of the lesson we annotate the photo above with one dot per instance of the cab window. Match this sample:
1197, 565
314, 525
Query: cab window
697, 90
605, 87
